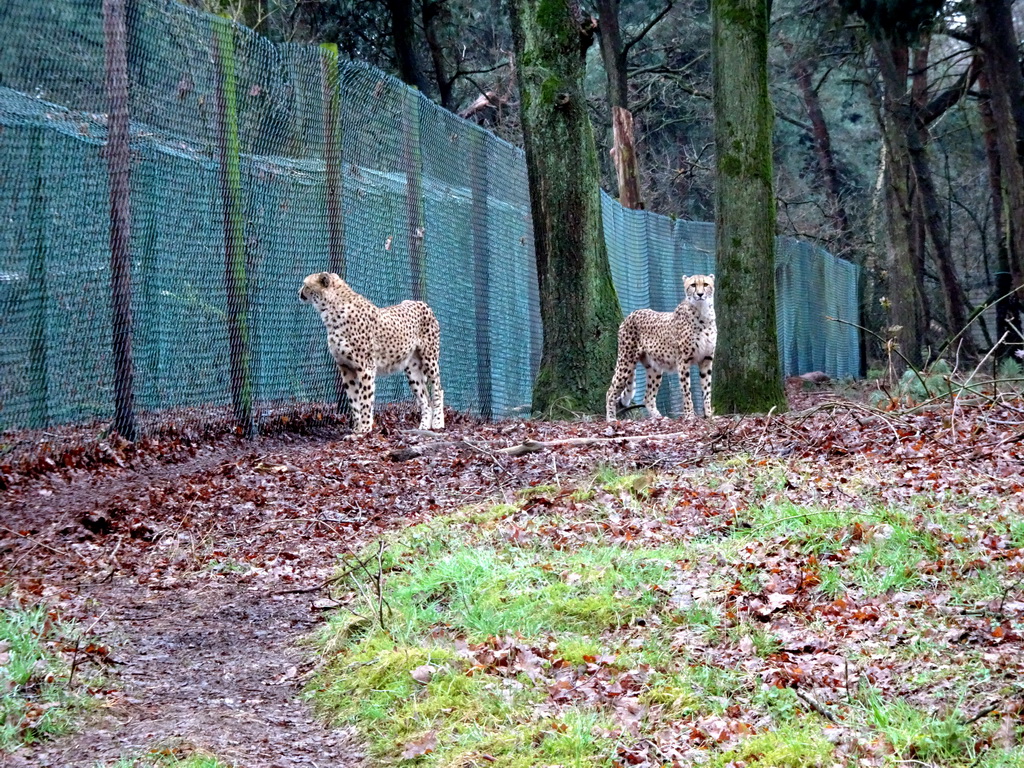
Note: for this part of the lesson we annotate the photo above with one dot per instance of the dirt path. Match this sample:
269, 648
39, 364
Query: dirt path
175, 563
215, 668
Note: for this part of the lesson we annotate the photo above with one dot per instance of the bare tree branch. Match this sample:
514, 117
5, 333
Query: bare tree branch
647, 28
938, 106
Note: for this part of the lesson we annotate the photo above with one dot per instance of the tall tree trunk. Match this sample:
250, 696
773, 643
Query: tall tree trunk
613, 55
479, 188
1005, 320
334, 184
1006, 95
403, 37
907, 315
953, 294
433, 14
803, 75
579, 307
748, 378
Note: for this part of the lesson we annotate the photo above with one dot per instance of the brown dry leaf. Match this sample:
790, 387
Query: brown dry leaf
418, 747
423, 674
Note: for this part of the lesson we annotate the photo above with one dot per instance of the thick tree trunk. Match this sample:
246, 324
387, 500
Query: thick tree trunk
433, 14
954, 297
579, 307
1005, 314
613, 56
953, 294
412, 157
747, 374
403, 36
907, 315
232, 198
1006, 94
479, 189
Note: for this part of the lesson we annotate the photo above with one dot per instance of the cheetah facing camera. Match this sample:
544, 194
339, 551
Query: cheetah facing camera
665, 342
367, 341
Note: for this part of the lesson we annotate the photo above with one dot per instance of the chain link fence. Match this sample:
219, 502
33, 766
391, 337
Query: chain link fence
249, 165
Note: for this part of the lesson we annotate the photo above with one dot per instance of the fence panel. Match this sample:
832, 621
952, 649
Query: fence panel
255, 164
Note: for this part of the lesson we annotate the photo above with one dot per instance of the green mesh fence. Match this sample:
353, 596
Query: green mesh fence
254, 164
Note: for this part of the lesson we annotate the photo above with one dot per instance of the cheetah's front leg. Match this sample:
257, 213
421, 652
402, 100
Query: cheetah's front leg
651, 393
360, 384
705, 367
684, 385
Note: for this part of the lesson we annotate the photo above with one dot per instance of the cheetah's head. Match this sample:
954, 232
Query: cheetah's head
319, 286
699, 287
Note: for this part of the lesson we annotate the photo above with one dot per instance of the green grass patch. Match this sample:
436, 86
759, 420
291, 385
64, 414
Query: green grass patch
38, 698
170, 757
800, 744
582, 628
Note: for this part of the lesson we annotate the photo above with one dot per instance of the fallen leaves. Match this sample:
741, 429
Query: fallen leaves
424, 745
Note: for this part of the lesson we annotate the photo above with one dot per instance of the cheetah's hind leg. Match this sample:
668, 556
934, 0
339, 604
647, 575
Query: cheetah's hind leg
418, 385
432, 372
621, 390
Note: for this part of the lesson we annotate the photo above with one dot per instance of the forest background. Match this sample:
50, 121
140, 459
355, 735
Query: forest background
897, 138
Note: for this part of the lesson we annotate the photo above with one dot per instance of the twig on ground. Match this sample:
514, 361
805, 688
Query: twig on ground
37, 543
74, 662
816, 706
525, 447
985, 711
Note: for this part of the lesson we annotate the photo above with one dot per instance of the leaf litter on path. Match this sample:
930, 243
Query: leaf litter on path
191, 564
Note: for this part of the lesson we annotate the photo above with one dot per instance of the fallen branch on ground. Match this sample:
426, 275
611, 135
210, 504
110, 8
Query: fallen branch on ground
525, 447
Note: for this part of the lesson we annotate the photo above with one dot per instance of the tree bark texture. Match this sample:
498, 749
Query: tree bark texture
403, 37
1006, 96
614, 56
803, 75
434, 14
1006, 314
118, 152
748, 378
624, 153
907, 317
579, 308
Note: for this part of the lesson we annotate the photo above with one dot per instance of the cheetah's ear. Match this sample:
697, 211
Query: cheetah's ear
325, 280
683, 278
711, 277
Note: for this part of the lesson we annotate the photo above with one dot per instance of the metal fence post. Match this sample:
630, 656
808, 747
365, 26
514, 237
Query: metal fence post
234, 226
118, 153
